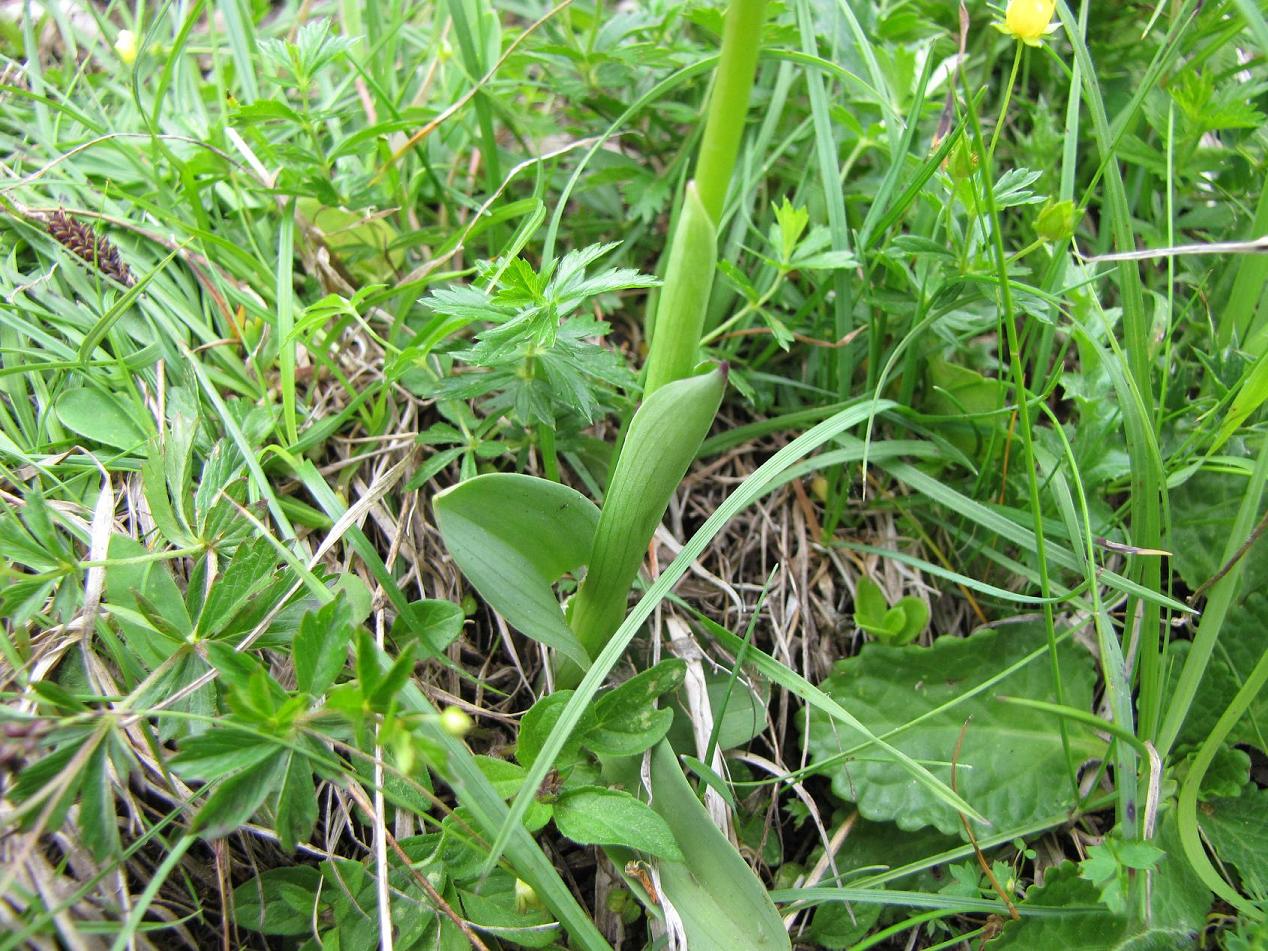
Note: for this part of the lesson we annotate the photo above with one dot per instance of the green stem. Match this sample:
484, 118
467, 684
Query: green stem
1003, 109
741, 41
1023, 414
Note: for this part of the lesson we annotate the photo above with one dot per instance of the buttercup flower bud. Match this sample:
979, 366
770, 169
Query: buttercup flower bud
455, 722
126, 46
1057, 220
962, 162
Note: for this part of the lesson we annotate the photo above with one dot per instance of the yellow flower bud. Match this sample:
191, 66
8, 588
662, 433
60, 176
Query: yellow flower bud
125, 45
455, 722
1028, 20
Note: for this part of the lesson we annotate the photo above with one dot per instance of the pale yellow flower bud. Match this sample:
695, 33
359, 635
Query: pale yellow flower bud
126, 46
525, 897
455, 722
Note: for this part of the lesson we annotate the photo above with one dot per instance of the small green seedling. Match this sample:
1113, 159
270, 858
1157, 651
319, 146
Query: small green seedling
897, 625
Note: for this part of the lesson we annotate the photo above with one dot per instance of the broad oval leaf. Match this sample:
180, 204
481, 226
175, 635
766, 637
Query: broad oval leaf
267, 903
514, 536
594, 815
102, 417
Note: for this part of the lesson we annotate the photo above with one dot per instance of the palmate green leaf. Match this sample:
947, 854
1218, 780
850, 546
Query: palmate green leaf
41, 780
1111, 866
239, 797
321, 646
98, 821
296, 802
1178, 907
514, 536
250, 570
594, 815
219, 752
1011, 765
722, 904
129, 582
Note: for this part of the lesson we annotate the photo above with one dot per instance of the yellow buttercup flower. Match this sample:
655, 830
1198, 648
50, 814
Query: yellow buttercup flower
1028, 20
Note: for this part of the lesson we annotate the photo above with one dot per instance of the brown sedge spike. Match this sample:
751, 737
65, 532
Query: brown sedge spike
99, 252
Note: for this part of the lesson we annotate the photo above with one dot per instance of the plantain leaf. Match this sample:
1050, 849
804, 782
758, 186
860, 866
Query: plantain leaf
1236, 829
514, 536
1011, 764
722, 904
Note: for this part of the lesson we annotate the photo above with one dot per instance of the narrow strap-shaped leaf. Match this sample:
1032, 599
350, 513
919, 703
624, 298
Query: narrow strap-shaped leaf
663, 439
675, 335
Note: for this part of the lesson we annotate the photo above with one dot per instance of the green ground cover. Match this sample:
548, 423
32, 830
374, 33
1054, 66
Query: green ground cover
660, 474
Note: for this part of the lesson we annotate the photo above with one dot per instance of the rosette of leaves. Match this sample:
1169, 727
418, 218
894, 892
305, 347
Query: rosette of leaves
538, 359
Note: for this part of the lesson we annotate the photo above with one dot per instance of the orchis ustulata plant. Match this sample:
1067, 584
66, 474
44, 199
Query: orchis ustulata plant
514, 536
